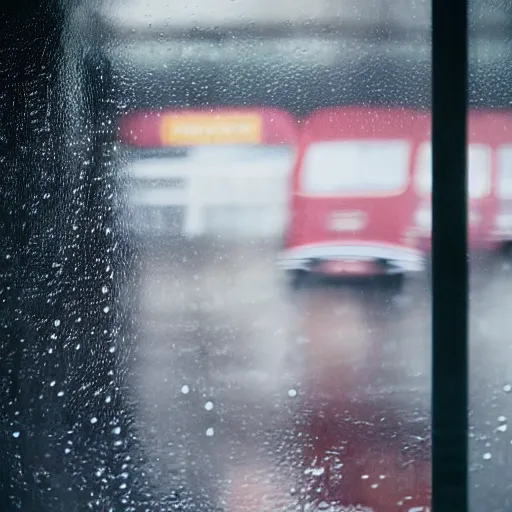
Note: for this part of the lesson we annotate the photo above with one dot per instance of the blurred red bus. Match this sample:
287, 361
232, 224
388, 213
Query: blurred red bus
219, 172
352, 198
488, 134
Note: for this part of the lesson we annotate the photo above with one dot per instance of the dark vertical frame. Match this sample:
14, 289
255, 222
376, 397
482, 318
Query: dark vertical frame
450, 257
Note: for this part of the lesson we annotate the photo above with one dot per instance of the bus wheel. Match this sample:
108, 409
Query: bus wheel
297, 279
394, 283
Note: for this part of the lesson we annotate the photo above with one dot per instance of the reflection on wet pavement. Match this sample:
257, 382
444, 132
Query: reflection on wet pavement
260, 398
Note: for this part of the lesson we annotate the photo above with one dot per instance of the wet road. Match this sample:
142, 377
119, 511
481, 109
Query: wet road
247, 391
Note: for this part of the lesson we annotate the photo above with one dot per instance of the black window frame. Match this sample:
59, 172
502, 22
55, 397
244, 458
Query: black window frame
450, 478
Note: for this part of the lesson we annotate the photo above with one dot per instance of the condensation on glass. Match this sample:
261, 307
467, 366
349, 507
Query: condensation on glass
268, 166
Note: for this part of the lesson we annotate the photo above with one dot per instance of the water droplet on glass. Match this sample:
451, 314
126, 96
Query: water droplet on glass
487, 456
292, 393
56, 323
116, 431
185, 389
208, 406
507, 388
16, 434
94, 420
52, 383
209, 432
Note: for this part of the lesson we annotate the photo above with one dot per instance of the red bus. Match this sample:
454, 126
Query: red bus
352, 198
219, 172
488, 135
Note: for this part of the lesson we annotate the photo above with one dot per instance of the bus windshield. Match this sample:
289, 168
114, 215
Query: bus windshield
356, 167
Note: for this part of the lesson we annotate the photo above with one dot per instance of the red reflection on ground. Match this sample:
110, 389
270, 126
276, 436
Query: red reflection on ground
362, 445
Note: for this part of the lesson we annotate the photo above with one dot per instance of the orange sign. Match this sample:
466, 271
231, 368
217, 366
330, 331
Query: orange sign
206, 129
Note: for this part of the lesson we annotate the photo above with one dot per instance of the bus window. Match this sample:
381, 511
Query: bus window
504, 182
356, 167
479, 170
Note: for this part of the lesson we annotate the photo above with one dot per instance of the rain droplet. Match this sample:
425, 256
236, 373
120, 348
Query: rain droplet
56, 323
185, 389
507, 388
209, 432
67, 450
60, 393
502, 428
208, 406
16, 434
502, 418
104, 289
108, 399
365, 477
292, 393
94, 420
487, 456
106, 309
374, 486
116, 431
52, 383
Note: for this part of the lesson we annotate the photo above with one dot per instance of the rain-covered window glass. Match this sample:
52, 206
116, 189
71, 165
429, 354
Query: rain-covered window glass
479, 170
269, 284
219, 293
356, 167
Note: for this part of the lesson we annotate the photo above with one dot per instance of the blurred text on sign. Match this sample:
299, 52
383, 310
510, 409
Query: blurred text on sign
202, 129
